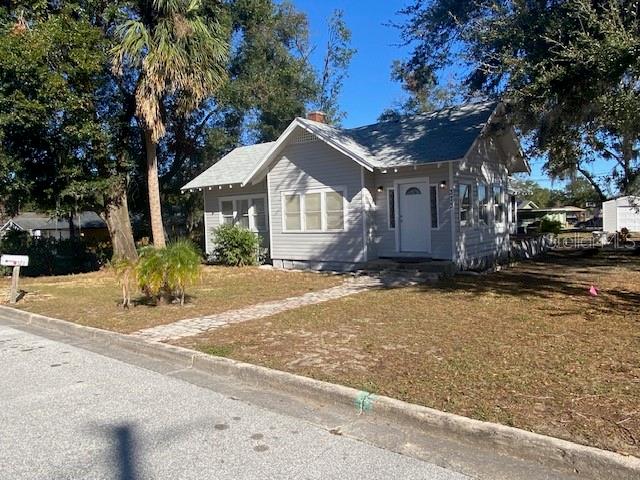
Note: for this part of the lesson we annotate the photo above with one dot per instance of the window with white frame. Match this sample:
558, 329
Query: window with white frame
433, 192
498, 204
483, 204
259, 214
334, 202
247, 212
314, 211
464, 203
292, 212
227, 211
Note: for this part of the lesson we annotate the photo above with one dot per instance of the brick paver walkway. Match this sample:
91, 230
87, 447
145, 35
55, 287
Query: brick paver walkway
196, 326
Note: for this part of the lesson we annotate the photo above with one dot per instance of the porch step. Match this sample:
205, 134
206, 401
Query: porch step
400, 277
442, 268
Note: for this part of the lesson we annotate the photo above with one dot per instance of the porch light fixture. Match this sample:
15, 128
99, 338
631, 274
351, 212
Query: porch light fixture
395, 170
380, 189
443, 184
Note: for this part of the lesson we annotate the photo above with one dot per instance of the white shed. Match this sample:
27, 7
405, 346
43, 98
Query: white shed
623, 212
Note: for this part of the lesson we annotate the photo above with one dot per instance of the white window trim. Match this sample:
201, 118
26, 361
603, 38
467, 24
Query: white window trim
234, 199
323, 206
468, 223
503, 221
437, 187
389, 217
488, 205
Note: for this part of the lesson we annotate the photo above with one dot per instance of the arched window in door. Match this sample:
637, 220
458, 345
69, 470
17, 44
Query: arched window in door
413, 191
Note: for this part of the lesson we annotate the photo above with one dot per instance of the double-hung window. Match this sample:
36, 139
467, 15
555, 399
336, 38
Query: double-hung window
498, 204
314, 211
334, 203
246, 212
464, 203
483, 204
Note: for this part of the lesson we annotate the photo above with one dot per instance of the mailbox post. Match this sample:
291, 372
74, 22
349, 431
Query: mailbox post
15, 261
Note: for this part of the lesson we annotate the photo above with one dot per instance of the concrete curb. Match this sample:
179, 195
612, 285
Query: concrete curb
589, 462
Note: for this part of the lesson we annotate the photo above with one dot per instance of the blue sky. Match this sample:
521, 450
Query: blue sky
369, 89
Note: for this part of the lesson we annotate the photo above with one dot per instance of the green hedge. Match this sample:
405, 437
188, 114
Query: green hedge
50, 256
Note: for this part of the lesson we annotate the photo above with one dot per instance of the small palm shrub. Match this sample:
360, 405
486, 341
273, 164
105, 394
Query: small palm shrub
165, 273
236, 246
183, 267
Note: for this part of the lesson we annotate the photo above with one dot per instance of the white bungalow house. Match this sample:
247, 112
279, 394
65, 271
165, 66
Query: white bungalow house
432, 186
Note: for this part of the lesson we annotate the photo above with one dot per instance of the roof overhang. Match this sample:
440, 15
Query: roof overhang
516, 161
261, 168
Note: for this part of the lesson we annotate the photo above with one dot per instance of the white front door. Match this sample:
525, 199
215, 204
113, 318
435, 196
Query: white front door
413, 216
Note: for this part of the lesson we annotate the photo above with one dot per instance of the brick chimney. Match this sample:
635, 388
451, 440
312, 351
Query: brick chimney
317, 116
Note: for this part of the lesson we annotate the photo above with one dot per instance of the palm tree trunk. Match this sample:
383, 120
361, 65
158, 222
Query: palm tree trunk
116, 216
155, 208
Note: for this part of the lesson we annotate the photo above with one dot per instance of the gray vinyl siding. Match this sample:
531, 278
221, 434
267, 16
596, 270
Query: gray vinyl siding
308, 166
212, 214
385, 238
477, 244
370, 209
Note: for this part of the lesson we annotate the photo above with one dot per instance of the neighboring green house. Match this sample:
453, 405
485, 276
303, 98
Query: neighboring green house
529, 213
431, 186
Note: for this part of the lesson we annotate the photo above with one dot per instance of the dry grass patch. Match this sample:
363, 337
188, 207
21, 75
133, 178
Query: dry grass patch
93, 299
526, 347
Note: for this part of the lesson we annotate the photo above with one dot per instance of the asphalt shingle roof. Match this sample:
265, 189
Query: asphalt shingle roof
438, 136
433, 137
40, 221
232, 168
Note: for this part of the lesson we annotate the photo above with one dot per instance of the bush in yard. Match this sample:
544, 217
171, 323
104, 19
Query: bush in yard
550, 226
164, 273
50, 256
183, 265
236, 246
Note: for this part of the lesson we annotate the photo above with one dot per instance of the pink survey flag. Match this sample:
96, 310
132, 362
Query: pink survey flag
593, 291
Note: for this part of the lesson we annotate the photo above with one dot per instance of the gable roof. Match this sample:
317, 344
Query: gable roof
442, 135
40, 221
232, 168
527, 205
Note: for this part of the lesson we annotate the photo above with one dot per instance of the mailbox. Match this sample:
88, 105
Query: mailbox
14, 260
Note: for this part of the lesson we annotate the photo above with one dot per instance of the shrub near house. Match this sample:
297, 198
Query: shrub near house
236, 246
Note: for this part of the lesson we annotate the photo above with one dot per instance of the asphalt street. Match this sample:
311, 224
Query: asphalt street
68, 413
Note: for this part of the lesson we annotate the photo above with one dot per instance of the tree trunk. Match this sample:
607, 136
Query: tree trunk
116, 216
72, 227
155, 208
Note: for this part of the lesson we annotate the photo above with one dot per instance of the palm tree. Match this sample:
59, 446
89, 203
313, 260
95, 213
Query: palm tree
174, 49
